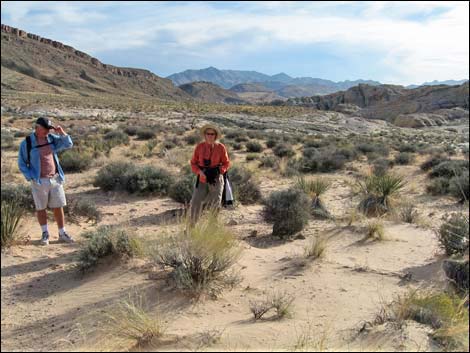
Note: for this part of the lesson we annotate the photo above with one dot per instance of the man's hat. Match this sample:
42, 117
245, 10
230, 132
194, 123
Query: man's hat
44, 122
213, 127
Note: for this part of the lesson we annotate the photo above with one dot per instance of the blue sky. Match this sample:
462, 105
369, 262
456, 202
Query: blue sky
392, 42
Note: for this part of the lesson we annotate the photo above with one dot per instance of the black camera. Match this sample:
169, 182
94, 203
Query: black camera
207, 162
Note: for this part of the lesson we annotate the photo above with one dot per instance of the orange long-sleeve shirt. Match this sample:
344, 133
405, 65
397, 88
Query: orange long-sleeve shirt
217, 154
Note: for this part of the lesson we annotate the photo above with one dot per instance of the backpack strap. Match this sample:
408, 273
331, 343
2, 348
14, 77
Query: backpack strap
28, 150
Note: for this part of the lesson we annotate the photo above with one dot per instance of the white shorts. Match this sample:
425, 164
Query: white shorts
50, 193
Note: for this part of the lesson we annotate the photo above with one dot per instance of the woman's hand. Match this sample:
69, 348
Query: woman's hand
202, 177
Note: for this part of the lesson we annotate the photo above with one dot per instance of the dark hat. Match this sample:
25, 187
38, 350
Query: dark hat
44, 122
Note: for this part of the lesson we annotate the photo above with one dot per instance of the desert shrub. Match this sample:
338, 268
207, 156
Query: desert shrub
130, 130
449, 169
407, 147
113, 176
408, 213
145, 133
7, 139
404, 158
192, 138
438, 186
381, 166
453, 234
459, 187
314, 188
281, 302
168, 145
288, 210
116, 138
283, 150
245, 187
253, 146
371, 149
18, 194
288, 167
433, 161
252, 156
446, 313
182, 190
323, 160
124, 176
457, 272
271, 142
22, 133
75, 160
268, 161
78, 207
148, 179
107, 241
131, 320
200, 255
11, 216
377, 193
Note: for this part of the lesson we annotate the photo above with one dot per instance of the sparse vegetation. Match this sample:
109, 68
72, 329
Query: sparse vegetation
12, 213
288, 210
107, 241
378, 191
281, 302
245, 186
316, 248
253, 146
75, 160
199, 255
453, 235
375, 231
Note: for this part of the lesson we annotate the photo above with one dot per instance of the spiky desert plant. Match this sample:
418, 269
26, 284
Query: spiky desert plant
12, 214
314, 188
378, 191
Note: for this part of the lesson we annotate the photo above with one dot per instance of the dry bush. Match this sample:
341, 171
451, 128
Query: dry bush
375, 231
200, 255
130, 320
281, 302
316, 248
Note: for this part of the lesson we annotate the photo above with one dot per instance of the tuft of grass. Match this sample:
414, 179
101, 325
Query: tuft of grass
316, 248
281, 302
375, 231
131, 320
11, 216
446, 313
200, 255
408, 213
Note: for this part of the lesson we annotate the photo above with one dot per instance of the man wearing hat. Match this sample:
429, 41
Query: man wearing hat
38, 161
210, 161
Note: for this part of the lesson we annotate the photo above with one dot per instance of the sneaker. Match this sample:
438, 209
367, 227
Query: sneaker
65, 238
45, 238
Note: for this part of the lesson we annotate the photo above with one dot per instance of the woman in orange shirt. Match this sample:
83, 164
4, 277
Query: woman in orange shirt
210, 161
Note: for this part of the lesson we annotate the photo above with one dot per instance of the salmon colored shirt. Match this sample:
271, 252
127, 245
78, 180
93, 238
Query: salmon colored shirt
217, 154
47, 159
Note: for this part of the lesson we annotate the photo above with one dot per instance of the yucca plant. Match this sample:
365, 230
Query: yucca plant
378, 191
11, 217
314, 188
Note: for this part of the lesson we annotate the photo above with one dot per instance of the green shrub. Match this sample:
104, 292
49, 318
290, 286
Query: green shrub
271, 142
148, 179
106, 241
283, 150
19, 195
75, 160
371, 149
459, 187
116, 138
244, 186
237, 146
78, 207
182, 190
449, 169
251, 156
113, 176
453, 234
192, 138
407, 147
321, 160
404, 158
145, 133
382, 166
439, 186
199, 255
12, 213
130, 130
253, 146
288, 210
268, 161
